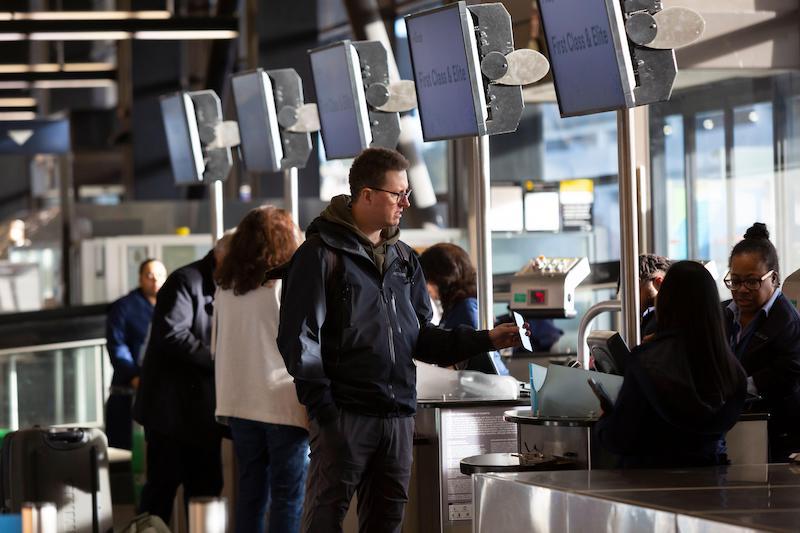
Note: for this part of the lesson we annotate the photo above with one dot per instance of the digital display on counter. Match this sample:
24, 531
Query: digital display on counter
444, 58
341, 102
537, 296
586, 63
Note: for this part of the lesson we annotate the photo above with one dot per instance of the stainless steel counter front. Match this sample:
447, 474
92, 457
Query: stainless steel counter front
720, 499
446, 432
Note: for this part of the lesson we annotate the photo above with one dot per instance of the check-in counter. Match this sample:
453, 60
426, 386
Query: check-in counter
571, 437
446, 432
738, 498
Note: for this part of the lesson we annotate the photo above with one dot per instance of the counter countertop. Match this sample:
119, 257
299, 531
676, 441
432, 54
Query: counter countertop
762, 497
431, 403
524, 416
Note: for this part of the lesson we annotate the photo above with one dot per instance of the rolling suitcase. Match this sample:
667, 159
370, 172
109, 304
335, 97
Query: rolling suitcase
68, 467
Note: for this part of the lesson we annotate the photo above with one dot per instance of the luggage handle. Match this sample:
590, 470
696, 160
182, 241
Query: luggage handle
65, 439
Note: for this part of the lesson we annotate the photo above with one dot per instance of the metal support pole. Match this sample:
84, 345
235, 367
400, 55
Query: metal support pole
67, 197
628, 227
291, 194
217, 226
483, 233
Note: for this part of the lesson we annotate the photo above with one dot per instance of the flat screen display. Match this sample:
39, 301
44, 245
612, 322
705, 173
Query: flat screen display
583, 56
444, 59
258, 121
183, 139
341, 102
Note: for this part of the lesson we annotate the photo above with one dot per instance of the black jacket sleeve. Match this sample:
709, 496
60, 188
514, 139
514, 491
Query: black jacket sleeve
779, 379
438, 345
303, 310
621, 430
173, 320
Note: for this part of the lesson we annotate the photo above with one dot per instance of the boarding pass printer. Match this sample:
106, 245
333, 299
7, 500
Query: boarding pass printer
545, 287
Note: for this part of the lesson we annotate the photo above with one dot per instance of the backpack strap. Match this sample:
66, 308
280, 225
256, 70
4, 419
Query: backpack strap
404, 256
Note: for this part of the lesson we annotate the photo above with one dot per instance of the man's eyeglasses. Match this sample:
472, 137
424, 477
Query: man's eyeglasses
752, 284
398, 196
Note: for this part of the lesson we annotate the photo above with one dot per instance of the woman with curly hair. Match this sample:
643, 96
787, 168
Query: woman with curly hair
255, 393
452, 280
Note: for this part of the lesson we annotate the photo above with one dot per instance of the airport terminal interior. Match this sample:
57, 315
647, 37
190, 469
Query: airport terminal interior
619, 179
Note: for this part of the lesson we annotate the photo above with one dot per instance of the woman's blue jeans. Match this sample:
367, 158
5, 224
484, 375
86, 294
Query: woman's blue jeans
273, 459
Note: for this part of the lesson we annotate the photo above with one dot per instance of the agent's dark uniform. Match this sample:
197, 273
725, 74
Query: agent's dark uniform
348, 332
175, 402
769, 350
127, 324
660, 418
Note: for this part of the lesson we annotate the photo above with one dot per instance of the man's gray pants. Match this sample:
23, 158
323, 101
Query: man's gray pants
367, 454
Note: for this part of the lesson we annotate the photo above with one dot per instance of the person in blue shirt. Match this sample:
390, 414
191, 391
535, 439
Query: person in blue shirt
127, 325
452, 281
764, 333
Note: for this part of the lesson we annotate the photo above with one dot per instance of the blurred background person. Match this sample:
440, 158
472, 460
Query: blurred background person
764, 332
175, 401
652, 269
683, 389
452, 281
255, 393
127, 325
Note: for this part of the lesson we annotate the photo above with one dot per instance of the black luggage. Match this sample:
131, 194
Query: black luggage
67, 466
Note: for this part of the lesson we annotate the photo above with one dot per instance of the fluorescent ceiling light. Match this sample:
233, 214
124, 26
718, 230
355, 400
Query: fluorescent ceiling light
55, 67
17, 102
57, 84
87, 15
18, 115
185, 35
93, 29
79, 36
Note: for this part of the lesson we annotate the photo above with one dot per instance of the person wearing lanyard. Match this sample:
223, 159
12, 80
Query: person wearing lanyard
764, 333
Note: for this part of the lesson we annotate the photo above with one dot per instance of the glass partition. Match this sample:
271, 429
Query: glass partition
724, 155
55, 384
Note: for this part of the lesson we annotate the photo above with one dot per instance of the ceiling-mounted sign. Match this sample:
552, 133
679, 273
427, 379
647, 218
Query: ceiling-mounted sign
31, 137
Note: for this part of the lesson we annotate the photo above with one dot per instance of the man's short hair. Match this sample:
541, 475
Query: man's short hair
651, 265
144, 263
370, 167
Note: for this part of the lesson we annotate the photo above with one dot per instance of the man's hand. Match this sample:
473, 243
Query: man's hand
507, 335
135, 382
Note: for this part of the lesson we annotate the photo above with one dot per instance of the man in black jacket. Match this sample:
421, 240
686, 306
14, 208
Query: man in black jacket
176, 399
354, 312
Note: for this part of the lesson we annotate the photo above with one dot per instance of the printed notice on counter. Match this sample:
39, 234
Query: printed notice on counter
583, 56
466, 433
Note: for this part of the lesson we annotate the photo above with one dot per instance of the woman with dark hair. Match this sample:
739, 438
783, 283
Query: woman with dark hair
452, 281
684, 388
255, 393
764, 332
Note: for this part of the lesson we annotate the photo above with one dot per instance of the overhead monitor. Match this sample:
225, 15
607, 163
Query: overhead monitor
32, 137
258, 121
341, 102
449, 84
183, 139
589, 55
